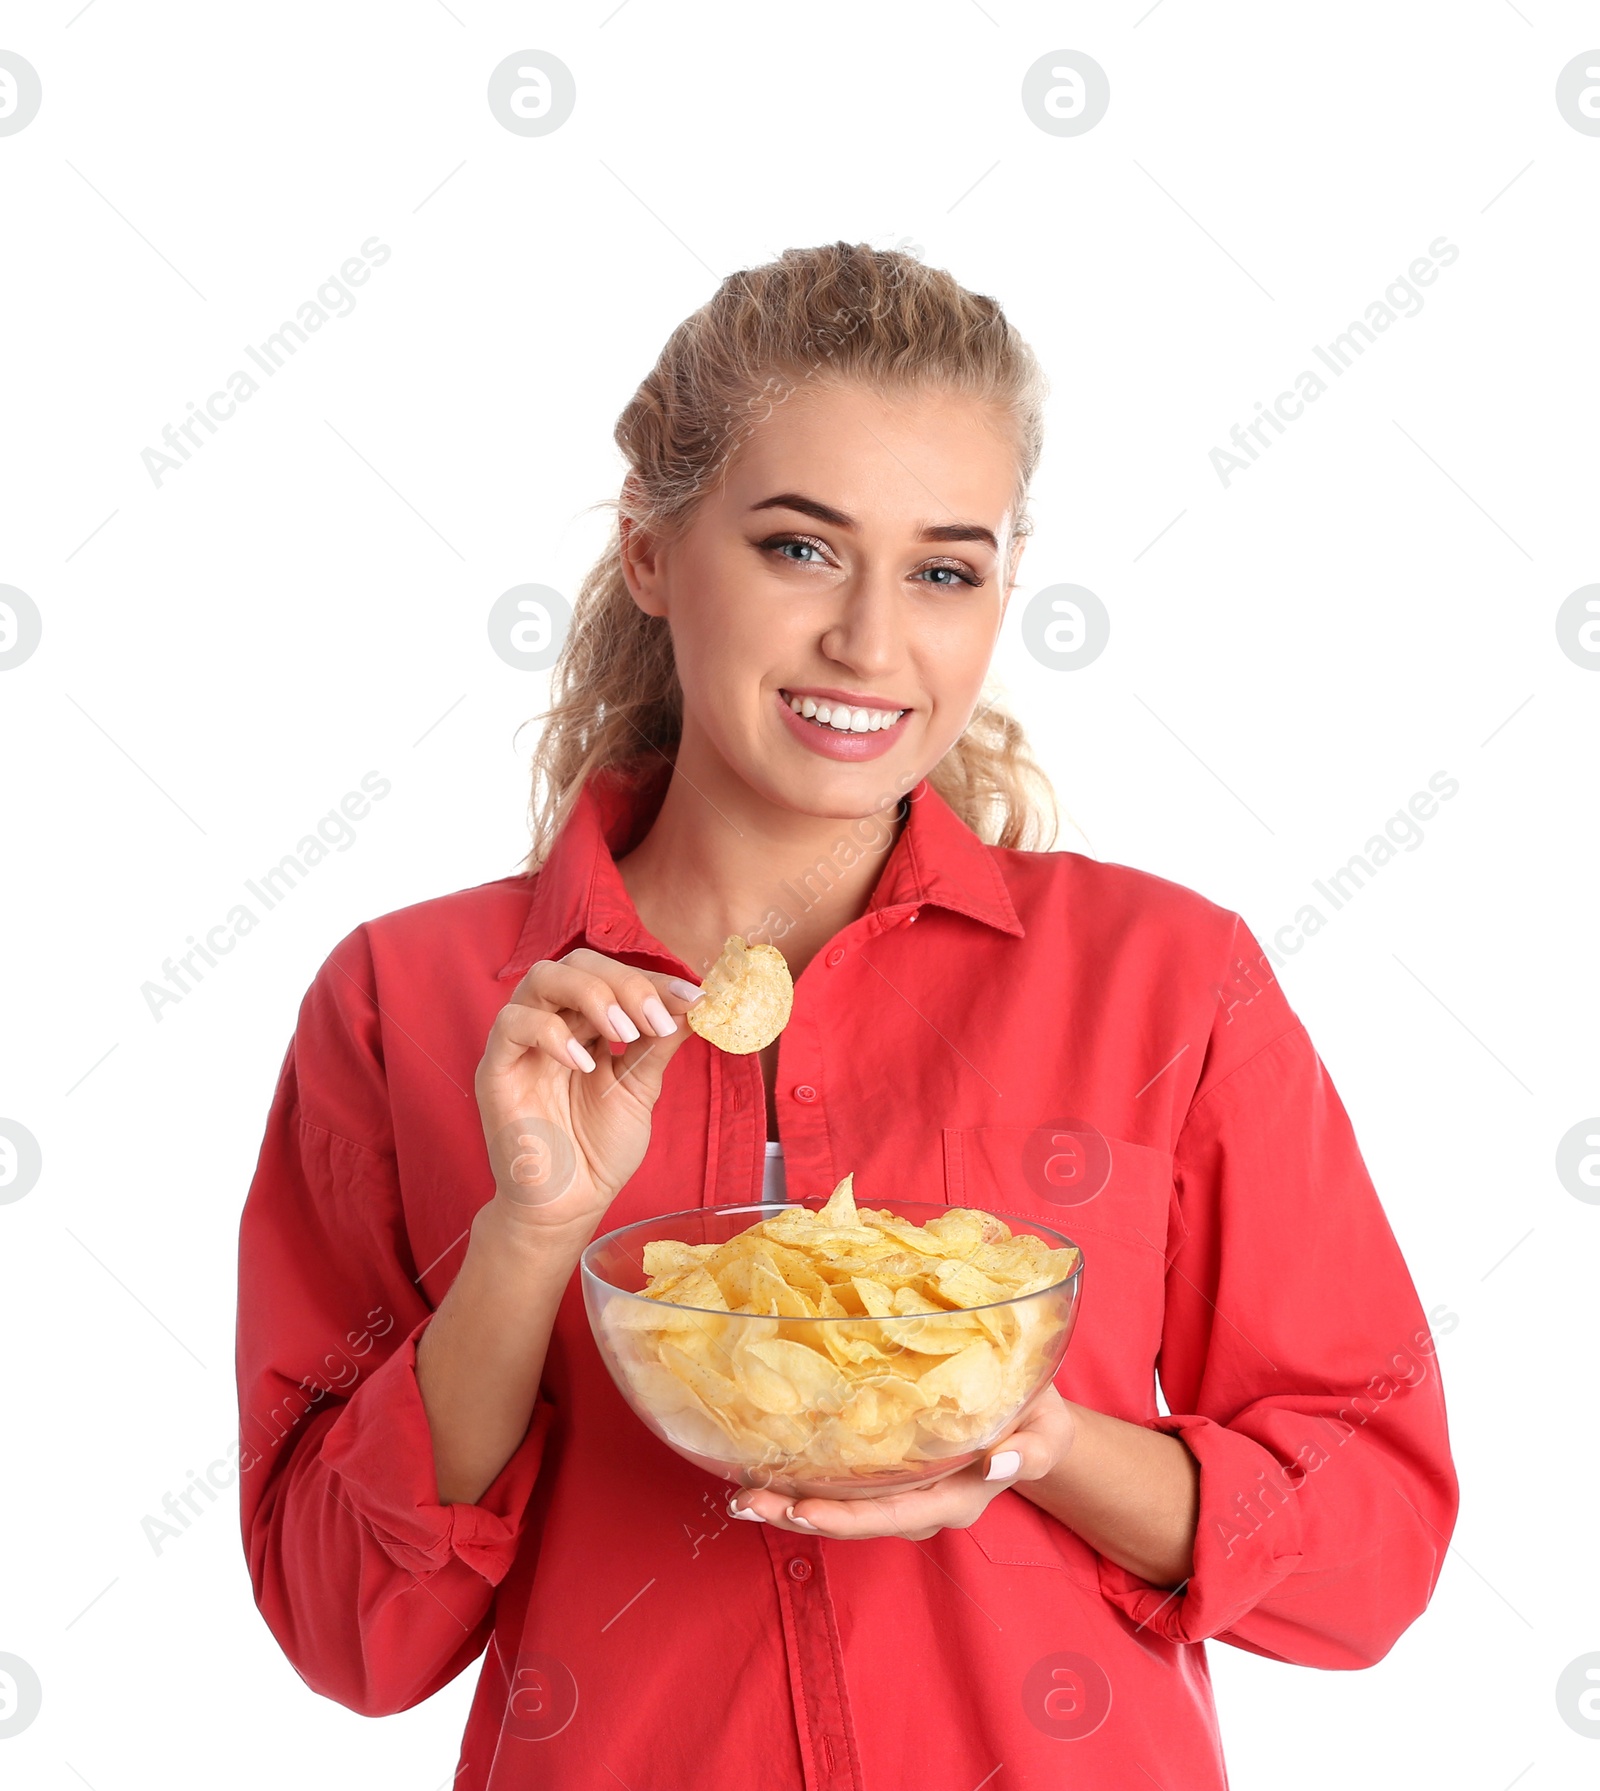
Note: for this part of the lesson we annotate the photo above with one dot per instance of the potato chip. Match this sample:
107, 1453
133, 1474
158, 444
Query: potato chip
717, 1390
915, 1240
666, 1256
962, 1285
963, 1229
699, 1430
748, 996
971, 1378
769, 1292
818, 1381
944, 1335
706, 1346
830, 1306
767, 1388
912, 1299
890, 1268
840, 1206
950, 1426
882, 1401
696, 1287
850, 1351
795, 1269
877, 1300
658, 1387
885, 1451
788, 1435
677, 1293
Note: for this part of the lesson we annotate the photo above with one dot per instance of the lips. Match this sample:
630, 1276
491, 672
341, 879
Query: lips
839, 737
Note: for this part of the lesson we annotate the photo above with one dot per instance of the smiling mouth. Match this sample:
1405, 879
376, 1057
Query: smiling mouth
841, 718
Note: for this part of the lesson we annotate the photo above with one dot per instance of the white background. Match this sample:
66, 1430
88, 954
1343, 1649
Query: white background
224, 656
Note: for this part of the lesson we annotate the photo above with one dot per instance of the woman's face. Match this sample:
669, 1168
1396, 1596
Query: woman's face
849, 565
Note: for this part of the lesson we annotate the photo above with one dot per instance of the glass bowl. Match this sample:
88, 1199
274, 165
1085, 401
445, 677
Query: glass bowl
857, 1415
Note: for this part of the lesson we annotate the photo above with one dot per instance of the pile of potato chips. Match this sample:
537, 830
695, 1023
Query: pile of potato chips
925, 1362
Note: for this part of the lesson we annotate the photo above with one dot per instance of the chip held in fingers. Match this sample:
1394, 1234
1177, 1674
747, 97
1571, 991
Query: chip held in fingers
748, 996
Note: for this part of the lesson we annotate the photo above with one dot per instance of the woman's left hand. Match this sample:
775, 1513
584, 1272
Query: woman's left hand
1044, 1434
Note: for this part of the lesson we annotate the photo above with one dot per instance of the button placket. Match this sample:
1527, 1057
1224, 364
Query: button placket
737, 1129
800, 1089
816, 1662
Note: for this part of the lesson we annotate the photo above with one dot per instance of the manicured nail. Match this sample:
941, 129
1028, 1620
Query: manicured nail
688, 991
1003, 1465
747, 1514
579, 1056
621, 1025
803, 1523
662, 1023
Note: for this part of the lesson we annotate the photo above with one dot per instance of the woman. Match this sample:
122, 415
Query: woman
768, 721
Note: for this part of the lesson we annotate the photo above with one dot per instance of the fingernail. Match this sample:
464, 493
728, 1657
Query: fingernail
579, 1056
800, 1521
661, 1022
621, 1024
747, 1514
1003, 1465
689, 991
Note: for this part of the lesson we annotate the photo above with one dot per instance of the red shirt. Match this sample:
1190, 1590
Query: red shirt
632, 1633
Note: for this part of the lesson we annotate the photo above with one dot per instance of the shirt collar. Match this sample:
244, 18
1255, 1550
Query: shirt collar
579, 896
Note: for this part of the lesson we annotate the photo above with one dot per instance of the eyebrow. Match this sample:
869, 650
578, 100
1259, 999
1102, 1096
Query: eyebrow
951, 531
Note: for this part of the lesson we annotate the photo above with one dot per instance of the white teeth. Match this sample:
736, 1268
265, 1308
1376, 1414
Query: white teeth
843, 718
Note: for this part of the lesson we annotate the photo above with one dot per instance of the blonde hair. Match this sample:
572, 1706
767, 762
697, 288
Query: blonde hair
839, 314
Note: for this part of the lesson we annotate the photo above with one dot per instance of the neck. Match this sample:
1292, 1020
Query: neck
720, 859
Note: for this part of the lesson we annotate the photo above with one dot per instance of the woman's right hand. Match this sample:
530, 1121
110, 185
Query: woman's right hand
566, 1122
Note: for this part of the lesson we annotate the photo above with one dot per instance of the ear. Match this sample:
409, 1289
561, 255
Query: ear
641, 562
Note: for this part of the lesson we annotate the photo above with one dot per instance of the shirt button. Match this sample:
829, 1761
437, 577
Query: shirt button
836, 956
803, 1091
799, 1569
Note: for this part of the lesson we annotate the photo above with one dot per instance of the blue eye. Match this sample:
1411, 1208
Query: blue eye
959, 574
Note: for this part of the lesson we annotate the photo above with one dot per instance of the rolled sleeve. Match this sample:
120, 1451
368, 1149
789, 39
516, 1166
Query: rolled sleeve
339, 1505
1296, 1362
381, 1450
1226, 1581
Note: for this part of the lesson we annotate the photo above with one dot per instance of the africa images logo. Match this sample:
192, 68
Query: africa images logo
1400, 299
332, 299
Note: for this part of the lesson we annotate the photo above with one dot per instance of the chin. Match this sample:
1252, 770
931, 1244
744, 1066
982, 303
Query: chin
840, 791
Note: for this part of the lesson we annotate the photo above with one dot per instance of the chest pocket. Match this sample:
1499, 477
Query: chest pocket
1123, 1231
1014, 1532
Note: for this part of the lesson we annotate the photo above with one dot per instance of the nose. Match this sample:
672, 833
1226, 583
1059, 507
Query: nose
866, 634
